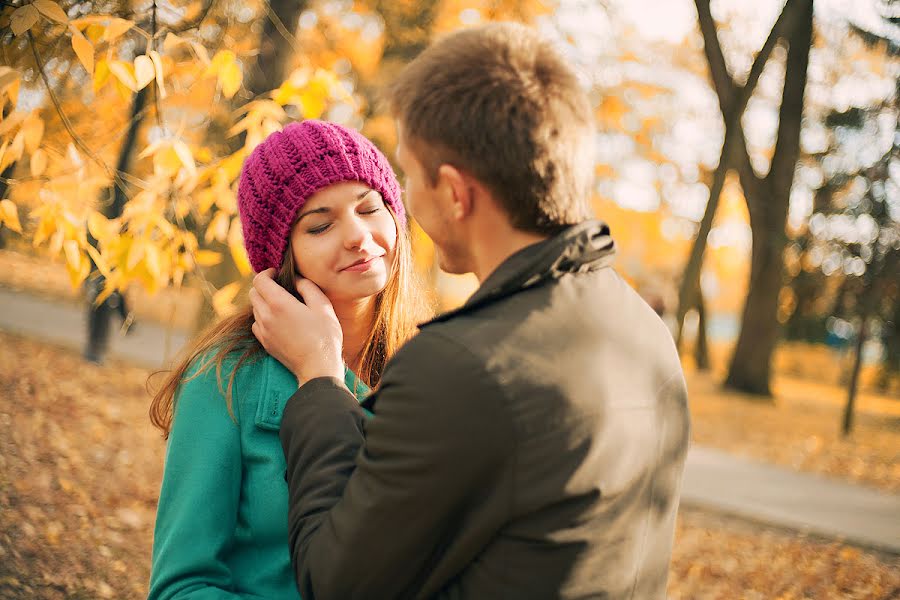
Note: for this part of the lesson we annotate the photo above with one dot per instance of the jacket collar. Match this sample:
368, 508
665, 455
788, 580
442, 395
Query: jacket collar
579, 248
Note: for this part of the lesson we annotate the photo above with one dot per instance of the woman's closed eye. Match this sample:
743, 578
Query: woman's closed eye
370, 210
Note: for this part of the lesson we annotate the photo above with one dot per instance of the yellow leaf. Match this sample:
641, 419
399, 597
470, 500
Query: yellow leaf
226, 200
144, 71
101, 74
158, 70
232, 164
84, 50
23, 19
7, 78
312, 103
82, 22
135, 254
116, 28
207, 258
33, 129
79, 274
201, 52
94, 32
218, 228
222, 299
184, 154
177, 277
172, 41
125, 92
151, 259
4, 159
10, 122
205, 199
101, 228
73, 254
38, 163
166, 161
124, 72
221, 58
17, 147
99, 261
236, 245
51, 10
9, 215
230, 77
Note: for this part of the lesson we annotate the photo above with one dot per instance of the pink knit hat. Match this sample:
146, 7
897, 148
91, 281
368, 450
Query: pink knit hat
291, 165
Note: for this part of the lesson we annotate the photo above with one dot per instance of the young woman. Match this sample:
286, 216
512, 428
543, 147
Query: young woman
315, 199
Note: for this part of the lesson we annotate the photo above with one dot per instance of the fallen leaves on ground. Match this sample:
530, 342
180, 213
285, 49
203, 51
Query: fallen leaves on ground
801, 428
722, 558
80, 467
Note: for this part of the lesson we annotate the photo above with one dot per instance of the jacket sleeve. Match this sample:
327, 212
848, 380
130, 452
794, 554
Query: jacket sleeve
198, 502
369, 517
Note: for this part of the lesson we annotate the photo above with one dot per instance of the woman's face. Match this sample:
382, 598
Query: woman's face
344, 241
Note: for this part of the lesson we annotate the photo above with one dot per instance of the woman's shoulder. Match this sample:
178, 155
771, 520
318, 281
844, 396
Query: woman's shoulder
210, 375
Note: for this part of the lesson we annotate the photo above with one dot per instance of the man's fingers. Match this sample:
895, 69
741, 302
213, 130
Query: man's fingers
257, 330
261, 309
313, 296
264, 283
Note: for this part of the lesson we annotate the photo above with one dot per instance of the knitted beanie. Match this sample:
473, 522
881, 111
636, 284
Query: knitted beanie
291, 165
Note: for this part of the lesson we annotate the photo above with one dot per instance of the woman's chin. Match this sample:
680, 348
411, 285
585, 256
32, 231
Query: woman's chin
357, 290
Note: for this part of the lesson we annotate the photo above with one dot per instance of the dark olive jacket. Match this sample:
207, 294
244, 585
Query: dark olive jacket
527, 445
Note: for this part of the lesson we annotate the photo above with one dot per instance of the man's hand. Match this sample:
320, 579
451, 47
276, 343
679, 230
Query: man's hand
305, 338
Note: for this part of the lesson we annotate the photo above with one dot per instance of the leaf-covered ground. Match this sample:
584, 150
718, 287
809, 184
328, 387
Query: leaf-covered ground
80, 467
801, 429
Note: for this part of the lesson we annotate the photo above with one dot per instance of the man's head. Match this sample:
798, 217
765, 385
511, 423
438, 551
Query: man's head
495, 109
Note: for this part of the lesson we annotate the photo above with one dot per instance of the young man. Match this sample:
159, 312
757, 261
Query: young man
529, 444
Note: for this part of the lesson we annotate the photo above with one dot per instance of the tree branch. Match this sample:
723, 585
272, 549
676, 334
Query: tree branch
204, 12
62, 115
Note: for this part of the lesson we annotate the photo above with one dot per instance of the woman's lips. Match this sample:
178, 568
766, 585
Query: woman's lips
361, 267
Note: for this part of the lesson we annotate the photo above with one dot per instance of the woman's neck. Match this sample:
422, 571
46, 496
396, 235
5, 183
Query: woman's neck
355, 317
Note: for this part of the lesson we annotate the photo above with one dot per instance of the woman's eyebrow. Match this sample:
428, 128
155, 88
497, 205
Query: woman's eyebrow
326, 209
314, 211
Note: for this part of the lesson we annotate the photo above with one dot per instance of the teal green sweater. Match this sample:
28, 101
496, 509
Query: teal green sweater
221, 524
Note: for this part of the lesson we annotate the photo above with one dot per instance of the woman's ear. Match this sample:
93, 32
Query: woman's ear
454, 184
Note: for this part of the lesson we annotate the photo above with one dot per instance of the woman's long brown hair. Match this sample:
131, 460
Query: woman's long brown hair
399, 307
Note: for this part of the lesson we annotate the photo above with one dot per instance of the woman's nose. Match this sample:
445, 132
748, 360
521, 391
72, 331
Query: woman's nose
356, 233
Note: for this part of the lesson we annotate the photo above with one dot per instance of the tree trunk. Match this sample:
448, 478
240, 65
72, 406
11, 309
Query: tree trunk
99, 315
4, 187
701, 347
750, 369
276, 45
852, 387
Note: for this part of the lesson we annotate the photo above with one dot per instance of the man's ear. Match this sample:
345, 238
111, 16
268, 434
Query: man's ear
460, 193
